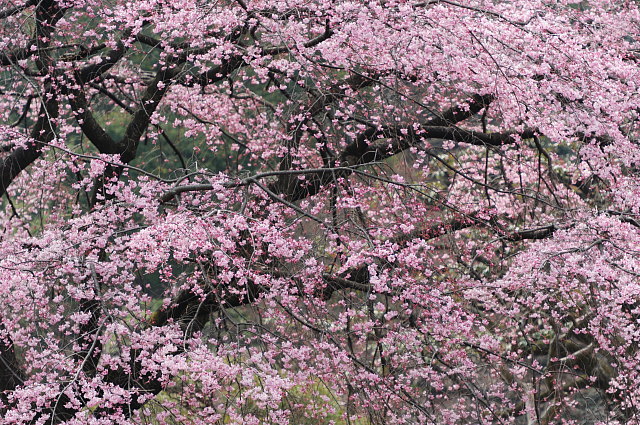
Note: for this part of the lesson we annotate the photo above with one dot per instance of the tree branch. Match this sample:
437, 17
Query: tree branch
17, 9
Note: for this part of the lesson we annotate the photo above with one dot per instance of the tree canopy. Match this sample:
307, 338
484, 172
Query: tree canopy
319, 212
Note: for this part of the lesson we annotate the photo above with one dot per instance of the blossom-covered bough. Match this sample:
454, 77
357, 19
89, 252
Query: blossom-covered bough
319, 212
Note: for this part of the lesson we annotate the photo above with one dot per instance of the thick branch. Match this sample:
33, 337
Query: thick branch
142, 116
16, 9
10, 58
377, 144
90, 127
328, 32
43, 131
216, 74
107, 61
10, 373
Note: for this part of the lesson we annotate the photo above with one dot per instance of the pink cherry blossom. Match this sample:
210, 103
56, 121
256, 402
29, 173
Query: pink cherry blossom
340, 212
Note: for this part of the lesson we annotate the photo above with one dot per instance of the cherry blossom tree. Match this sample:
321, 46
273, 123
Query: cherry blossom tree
307, 212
